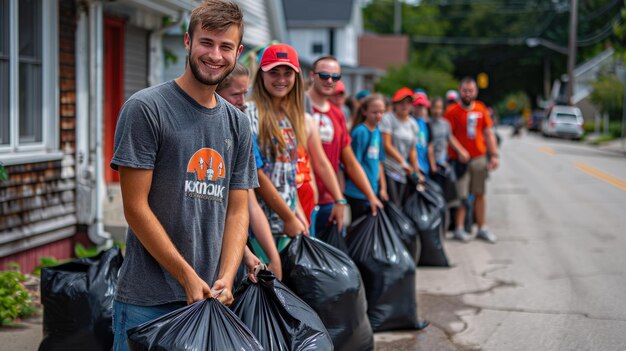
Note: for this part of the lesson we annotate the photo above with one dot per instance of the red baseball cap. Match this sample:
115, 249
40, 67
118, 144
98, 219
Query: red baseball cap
403, 93
279, 54
421, 99
340, 88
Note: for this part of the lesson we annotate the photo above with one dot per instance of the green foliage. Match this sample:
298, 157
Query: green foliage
169, 58
435, 82
15, 301
83, 252
608, 95
466, 37
513, 104
46, 262
4, 175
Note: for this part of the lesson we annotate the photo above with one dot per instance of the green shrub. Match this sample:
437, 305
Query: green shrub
46, 262
15, 301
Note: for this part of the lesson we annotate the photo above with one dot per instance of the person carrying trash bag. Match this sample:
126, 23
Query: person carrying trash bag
278, 318
329, 281
426, 207
205, 325
332, 236
185, 163
388, 272
78, 303
404, 228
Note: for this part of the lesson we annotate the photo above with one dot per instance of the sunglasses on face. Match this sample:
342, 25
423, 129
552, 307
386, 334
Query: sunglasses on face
324, 76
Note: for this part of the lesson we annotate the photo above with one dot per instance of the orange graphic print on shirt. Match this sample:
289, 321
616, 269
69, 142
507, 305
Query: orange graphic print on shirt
207, 164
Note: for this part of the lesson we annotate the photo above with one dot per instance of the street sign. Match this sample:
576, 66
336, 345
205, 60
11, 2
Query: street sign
483, 80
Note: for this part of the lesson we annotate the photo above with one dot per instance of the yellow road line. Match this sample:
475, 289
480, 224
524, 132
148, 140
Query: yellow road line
547, 150
616, 182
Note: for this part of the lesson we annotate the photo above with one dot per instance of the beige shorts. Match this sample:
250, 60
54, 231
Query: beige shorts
475, 178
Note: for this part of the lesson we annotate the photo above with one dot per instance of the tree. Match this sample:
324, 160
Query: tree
465, 38
608, 95
434, 82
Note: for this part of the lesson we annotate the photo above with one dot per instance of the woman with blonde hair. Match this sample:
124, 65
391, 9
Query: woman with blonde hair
287, 137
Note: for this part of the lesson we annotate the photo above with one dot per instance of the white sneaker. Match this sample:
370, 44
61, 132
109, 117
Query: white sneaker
460, 235
486, 235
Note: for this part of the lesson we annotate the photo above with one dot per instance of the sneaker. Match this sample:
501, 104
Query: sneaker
460, 235
486, 235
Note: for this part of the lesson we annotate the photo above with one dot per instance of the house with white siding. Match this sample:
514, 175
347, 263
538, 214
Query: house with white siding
66, 68
317, 28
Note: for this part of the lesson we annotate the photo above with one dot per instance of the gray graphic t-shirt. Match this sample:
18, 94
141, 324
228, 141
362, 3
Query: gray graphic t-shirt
197, 155
440, 132
403, 138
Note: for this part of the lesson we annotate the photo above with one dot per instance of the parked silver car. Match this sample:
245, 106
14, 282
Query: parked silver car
563, 121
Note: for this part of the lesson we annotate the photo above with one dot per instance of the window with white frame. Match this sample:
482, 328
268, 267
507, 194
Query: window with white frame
28, 78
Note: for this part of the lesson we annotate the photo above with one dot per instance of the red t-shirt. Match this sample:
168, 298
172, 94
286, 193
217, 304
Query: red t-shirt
334, 135
468, 127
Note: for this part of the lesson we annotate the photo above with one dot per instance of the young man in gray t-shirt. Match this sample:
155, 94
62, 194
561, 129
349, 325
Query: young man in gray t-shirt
186, 163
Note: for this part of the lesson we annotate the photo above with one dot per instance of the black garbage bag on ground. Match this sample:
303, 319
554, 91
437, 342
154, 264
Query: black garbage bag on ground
78, 303
331, 236
404, 228
202, 326
388, 272
278, 318
446, 179
328, 281
427, 209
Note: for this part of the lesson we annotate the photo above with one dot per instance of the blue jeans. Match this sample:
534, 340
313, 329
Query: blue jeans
127, 316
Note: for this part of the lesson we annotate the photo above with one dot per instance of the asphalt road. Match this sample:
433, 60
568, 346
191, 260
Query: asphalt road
556, 279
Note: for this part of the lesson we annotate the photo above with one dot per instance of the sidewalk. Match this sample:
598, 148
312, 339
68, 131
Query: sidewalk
23, 336
614, 146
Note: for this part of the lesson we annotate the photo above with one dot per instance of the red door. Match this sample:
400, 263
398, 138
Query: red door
113, 87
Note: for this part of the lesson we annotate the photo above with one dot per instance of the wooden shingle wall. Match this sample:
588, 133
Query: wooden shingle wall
37, 203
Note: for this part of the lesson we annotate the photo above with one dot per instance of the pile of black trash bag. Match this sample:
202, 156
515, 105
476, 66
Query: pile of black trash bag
426, 207
204, 325
388, 272
78, 303
278, 318
328, 281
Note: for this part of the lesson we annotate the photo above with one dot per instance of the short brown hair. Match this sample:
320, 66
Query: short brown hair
323, 58
239, 70
216, 16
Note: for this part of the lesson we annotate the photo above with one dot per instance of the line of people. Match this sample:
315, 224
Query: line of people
199, 178
306, 146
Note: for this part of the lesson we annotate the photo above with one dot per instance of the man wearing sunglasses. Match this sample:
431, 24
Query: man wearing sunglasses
335, 139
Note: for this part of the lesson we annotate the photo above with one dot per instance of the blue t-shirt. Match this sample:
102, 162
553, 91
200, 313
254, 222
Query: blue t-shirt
257, 155
422, 145
367, 147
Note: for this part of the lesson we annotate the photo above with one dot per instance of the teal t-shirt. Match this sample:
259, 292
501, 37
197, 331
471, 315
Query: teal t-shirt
423, 138
368, 149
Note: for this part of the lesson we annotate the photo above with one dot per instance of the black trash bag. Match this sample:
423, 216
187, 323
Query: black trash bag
202, 326
78, 303
388, 272
331, 236
404, 228
427, 208
240, 276
446, 179
328, 281
278, 318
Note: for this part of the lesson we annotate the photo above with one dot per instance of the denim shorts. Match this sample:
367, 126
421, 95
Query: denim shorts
127, 316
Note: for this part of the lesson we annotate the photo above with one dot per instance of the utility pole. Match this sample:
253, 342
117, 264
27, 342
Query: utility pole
397, 16
571, 56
